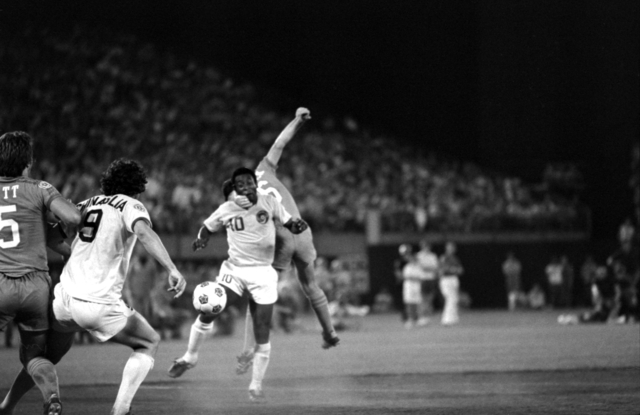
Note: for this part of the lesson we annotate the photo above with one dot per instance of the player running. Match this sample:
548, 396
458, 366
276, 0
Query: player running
298, 249
25, 284
89, 295
251, 235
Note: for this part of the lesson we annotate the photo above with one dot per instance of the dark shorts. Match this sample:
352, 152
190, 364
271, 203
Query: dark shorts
25, 300
290, 246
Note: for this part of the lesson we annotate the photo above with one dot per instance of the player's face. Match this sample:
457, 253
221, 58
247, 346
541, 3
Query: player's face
246, 186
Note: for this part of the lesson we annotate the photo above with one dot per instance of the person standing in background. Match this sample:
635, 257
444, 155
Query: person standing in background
412, 277
554, 279
428, 261
588, 276
567, 281
450, 271
511, 268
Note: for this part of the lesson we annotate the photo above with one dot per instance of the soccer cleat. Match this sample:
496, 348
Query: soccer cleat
257, 396
179, 366
245, 362
53, 406
329, 341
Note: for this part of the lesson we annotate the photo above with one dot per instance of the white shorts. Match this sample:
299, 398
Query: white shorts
103, 321
261, 282
411, 292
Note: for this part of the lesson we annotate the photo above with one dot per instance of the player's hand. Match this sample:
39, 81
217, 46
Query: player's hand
303, 114
242, 201
198, 244
177, 283
298, 226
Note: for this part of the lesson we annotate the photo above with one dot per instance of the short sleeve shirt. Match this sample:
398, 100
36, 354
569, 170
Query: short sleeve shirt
23, 205
251, 233
101, 251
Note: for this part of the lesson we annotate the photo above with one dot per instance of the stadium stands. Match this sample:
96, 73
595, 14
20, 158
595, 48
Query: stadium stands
90, 95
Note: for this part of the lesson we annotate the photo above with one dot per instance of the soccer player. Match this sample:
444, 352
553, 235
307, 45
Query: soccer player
298, 249
89, 295
251, 235
25, 284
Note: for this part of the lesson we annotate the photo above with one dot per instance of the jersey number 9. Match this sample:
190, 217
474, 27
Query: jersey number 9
90, 226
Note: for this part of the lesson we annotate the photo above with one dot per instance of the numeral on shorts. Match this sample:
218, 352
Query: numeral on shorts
227, 278
90, 226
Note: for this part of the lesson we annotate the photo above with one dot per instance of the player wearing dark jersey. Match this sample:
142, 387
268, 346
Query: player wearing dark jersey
25, 284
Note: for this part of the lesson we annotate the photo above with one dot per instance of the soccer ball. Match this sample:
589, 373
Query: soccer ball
209, 298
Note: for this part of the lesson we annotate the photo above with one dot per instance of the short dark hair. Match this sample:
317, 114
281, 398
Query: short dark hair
243, 170
125, 177
227, 188
16, 153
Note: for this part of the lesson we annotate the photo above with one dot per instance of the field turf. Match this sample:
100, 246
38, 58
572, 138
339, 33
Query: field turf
491, 363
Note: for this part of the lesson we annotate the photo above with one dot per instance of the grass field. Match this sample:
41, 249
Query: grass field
493, 362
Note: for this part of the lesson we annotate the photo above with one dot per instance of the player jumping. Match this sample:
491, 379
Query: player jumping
251, 235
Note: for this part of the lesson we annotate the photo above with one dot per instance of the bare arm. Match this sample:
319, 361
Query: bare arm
296, 226
67, 213
302, 116
152, 243
203, 237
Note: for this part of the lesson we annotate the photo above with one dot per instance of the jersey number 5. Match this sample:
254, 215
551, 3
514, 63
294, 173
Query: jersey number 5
15, 231
90, 226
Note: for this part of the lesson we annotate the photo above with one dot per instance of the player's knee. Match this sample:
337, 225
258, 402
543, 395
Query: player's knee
29, 351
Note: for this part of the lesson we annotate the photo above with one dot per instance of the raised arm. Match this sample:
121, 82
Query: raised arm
302, 116
152, 243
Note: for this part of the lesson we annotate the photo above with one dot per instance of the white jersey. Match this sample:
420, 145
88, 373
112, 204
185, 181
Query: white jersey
101, 251
429, 263
251, 233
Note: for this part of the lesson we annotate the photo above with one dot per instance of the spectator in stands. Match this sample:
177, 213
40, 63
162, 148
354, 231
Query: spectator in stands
450, 271
554, 282
511, 268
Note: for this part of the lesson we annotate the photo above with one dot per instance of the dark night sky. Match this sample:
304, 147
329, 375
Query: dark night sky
510, 84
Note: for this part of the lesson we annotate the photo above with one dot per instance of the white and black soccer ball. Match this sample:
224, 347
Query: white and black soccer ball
209, 298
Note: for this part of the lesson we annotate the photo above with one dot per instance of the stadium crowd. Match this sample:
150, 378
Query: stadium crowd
90, 95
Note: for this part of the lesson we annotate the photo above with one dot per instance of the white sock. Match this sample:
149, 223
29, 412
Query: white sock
260, 363
199, 332
136, 369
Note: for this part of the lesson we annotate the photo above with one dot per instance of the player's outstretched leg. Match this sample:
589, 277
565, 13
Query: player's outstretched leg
143, 339
318, 300
199, 331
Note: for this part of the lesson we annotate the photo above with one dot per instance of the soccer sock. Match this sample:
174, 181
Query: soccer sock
199, 332
320, 306
260, 363
136, 369
21, 385
44, 376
